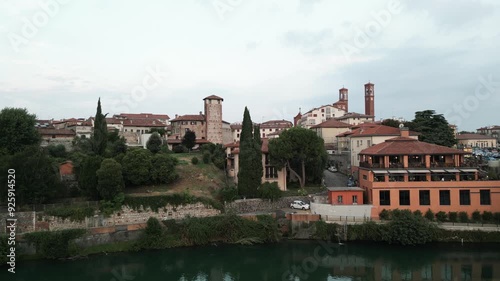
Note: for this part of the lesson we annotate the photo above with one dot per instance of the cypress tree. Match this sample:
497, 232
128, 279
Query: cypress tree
250, 159
100, 135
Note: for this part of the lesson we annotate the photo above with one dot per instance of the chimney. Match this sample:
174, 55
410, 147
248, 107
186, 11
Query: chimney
200, 113
176, 115
405, 132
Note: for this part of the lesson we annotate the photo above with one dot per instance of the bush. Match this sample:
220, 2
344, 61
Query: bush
219, 163
302, 192
429, 215
194, 160
137, 166
55, 244
441, 216
418, 213
325, 231
71, 213
408, 229
180, 149
496, 217
384, 215
57, 151
206, 157
270, 191
453, 216
476, 216
463, 217
487, 216
163, 168
227, 194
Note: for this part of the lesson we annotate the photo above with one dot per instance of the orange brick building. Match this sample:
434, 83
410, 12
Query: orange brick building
404, 173
345, 195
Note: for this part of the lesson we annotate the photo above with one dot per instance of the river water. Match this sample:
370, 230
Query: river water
293, 260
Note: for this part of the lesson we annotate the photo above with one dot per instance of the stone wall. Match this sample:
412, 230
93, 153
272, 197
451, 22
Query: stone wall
342, 212
261, 205
37, 221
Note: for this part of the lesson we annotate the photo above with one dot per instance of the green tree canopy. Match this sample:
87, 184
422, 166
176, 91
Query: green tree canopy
37, 179
250, 159
406, 228
99, 139
163, 168
189, 140
137, 166
110, 179
87, 175
154, 143
17, 130
295, 148
433, 128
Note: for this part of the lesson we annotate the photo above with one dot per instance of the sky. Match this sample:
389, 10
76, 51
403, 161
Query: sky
57, 57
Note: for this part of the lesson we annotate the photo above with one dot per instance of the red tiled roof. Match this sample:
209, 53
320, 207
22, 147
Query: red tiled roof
371, 129
354, 115
50, 132
408, 146
332, 123
189, 117
143, 123
236, 146
176, 141
268, 124
145, 115
474, 137
213, 97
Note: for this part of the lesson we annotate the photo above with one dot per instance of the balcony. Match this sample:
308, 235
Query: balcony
416, 165
396, 165
371, 165
442, 165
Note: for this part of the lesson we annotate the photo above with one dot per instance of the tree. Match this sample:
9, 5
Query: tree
99, 138
57, 151
154, 143
433, 128
296, 148
137, 166
160, 131
118, 146
250, 159
391, 123
17, 130
189, 139
109, 179
87, 176
37, 179
163, 169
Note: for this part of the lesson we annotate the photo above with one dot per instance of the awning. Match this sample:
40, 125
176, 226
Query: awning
452, 170
438, 171
468, 170
397, 171
379, 171
418, 171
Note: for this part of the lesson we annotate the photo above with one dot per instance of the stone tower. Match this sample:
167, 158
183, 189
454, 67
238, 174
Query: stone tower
343, 102
370, 99
213, 118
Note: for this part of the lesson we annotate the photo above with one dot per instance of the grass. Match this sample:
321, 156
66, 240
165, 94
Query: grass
294, 191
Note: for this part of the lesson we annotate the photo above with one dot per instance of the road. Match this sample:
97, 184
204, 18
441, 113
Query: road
335, 179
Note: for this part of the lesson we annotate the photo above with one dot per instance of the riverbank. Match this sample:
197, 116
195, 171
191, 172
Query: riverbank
233, 229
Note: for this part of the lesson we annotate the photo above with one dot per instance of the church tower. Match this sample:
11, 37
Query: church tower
343, 102
370, 99
213, 118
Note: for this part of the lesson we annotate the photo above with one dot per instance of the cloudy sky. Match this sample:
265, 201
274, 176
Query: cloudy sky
274, 56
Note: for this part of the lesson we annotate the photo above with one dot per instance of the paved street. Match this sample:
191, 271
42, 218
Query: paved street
335, 179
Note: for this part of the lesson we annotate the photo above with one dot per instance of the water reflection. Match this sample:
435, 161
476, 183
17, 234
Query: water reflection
285, 261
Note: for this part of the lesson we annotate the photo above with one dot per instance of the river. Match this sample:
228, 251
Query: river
293, 260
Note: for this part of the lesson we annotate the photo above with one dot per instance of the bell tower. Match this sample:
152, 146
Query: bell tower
213, 118
343, 102
370, 99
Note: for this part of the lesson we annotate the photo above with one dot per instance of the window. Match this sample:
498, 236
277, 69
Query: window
446, 272
487, 272
385, 197
357, 143
271, 172
263, 135
466, 272
444, 197
369, 142
425, 197
322, 110
193, 122
365, 177
237, 135
404, 197
464, 197
339, 199
485, 198
361, 142
427, 273
315, 115
186, 130
355, 199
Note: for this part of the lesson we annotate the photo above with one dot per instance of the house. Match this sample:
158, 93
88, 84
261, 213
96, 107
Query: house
345, 195
51, 136
476, 140
362, 136
404, 173
270, 173
329, 130
353, 118
66, 171
163, 118
267, 129
208, 125
82, 129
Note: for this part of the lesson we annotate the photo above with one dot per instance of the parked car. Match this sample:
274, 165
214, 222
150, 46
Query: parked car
332, 169
298, 204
